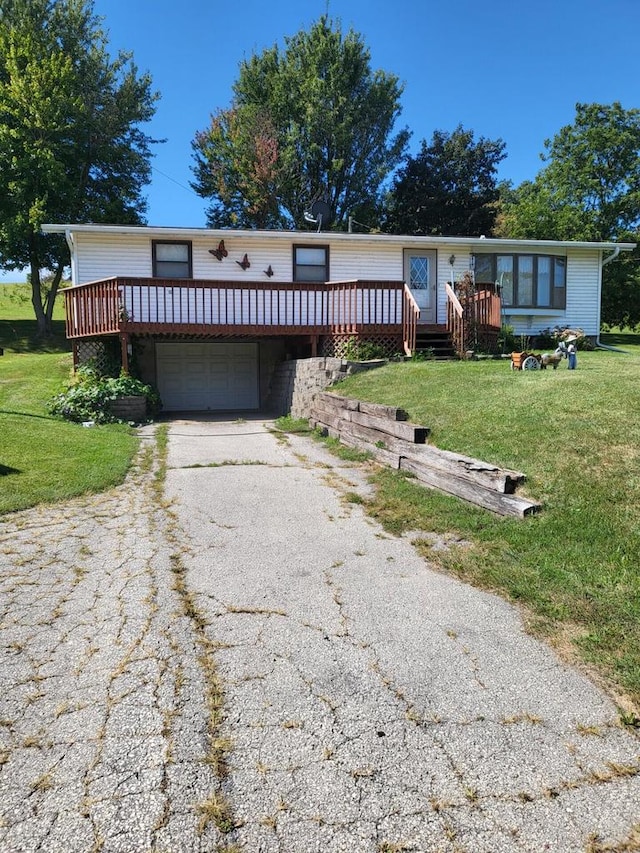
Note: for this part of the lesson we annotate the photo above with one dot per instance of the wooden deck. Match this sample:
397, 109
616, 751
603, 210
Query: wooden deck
127, 306
145, 306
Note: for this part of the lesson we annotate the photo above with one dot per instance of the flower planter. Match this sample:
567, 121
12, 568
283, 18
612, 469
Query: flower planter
129, 408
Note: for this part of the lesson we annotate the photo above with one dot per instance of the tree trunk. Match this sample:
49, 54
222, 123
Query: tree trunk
44, 327
51, 295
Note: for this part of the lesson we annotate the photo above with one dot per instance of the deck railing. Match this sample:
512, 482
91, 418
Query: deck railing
474, 322
93, 309
141, 305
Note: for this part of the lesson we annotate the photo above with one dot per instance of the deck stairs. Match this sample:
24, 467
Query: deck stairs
435, 341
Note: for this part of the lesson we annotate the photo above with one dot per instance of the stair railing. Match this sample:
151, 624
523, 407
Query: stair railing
474, 322
410, 316
456, 325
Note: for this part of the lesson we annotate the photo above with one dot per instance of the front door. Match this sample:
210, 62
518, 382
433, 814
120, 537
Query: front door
420, 276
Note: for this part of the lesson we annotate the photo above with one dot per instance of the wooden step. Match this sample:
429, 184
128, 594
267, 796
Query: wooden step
437, 340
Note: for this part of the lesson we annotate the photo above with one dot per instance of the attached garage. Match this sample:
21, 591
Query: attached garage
207, 376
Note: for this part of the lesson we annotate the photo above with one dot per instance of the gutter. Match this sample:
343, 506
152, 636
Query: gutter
463, 243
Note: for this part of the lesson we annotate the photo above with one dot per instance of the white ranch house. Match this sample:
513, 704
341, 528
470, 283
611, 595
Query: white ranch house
207, 314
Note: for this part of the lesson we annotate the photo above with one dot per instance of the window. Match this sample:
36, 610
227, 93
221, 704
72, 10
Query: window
171, 260
525, 281
311, 263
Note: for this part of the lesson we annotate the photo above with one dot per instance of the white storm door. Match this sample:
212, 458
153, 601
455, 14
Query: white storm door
420, 276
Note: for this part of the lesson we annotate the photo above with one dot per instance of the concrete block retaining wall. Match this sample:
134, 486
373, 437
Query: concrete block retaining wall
296, 383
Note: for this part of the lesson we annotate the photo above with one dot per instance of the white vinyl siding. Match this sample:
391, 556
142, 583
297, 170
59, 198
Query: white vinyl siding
583, 291
101, 255
384, 263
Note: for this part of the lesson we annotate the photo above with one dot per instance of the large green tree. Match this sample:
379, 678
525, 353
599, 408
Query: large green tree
589, 189
449, 188
71, 147
309, 122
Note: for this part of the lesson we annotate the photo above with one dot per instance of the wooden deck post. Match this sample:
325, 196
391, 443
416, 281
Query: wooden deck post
124, 350
314, 346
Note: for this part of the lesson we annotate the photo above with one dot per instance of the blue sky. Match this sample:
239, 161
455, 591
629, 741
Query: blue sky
503, 68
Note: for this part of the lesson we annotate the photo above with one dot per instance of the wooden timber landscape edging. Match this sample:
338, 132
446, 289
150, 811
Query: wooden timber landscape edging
386, 433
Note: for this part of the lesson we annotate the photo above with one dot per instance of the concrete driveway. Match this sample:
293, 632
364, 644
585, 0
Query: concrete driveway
373, 703
243, 661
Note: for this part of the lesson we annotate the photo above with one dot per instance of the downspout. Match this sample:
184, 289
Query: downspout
68, 306
606, 261
69, 238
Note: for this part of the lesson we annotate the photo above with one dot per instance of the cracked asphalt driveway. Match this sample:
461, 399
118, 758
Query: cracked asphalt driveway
245, 661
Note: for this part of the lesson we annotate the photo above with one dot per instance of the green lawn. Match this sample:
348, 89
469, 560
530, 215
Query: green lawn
44, 459
576, 435
18, 325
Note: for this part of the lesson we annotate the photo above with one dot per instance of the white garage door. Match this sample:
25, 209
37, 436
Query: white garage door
204, 376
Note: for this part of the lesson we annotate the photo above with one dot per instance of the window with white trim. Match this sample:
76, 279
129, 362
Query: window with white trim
525, 281
311, 263
171, 259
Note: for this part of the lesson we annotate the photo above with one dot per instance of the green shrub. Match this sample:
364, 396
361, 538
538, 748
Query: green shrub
550, 338
90, 394
426, 354
507, 341
357, 350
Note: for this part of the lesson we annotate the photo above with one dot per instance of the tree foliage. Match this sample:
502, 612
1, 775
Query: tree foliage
238, 164
449, 188
71, 149
590, 187
309, 122
589, 190
621, 288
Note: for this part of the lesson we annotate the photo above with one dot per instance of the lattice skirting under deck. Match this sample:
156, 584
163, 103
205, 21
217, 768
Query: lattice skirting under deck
346, 346
103, 354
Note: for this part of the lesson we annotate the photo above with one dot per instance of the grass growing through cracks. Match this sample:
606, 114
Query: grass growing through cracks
576, 435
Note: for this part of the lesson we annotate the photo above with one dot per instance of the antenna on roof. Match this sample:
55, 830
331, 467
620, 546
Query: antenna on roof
320, 215
353, 222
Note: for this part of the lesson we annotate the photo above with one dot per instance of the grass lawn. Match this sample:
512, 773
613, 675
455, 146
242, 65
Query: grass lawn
18, 325
576, 435
44, 459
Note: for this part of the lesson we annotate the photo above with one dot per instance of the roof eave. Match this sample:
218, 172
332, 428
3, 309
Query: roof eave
323, 236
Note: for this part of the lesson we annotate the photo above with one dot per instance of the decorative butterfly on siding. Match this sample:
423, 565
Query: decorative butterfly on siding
244, 263
220, 252
269, 271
